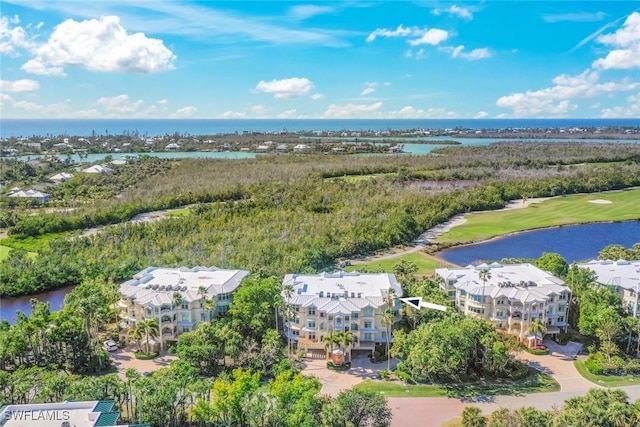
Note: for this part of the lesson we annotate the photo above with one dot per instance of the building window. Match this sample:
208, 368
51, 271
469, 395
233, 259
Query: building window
384, 335
551, 299
224, 297
203, 316
499, 313
354, 315
322, 314
186, 329
560, 319
463, 293
322, 326
476, 310
562, 297
452, 294
311, 311
367, 337
311, 323
354, 326
346, 318
368, 324
295, 332
500, 301
562, 308
185, 305
223, 308
296, 308
296, 319
368, 312
476, 298
312, 336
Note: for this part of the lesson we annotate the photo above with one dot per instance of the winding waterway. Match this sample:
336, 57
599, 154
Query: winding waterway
573, 242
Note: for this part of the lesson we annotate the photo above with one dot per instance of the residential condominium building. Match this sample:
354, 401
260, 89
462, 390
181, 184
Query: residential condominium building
334, 302
179, 298
93, 413
621, 275
511, 296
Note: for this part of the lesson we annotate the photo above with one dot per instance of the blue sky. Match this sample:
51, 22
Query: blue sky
349, 59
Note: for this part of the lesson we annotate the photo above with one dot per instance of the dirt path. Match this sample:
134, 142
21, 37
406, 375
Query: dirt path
440, 229
143, 217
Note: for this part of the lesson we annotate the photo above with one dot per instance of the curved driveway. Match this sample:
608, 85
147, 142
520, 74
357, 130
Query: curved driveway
559, 364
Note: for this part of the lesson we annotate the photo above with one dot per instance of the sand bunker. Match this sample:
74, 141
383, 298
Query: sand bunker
601, 202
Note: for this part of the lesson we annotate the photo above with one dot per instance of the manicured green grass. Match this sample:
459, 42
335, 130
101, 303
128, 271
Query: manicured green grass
144, 356
426, 264
395, 389
606, 380
565, 210
179, 212
537, 382
32, 244
4, 252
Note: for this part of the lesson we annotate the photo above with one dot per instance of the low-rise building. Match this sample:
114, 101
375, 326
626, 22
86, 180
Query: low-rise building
36, 195
61, 177
98, 169
62, 414
621, 275
510, 296
333, 302
179, 298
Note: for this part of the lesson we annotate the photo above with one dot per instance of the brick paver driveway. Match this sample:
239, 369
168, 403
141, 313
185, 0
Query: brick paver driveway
124, 359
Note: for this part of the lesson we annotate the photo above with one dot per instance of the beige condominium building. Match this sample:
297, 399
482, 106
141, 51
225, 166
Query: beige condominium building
511, 296
334, 302
623, 276
179, 298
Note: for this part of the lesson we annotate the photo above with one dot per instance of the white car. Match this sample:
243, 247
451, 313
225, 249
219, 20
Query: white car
110, 345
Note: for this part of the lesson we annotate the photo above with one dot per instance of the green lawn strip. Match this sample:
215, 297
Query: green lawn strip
537, 382
179, 212
356, 178
573, 209
33, 244
606, 380
426, 264
4, 252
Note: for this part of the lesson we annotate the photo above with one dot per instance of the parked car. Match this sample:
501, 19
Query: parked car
110, 345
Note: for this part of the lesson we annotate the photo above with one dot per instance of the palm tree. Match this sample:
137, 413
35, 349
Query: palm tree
287, 311
202, 293
148, 328
485, 276
387, 320
330, 341
537, 328
136, 334
345, 339
132, 375
177, 300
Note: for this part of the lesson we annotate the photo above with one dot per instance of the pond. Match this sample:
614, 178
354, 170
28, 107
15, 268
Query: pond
9, 307
573, 242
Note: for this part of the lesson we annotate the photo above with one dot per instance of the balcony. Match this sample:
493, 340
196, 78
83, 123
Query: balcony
535, 314
364, 345
167, 311
310, 329
123, 304
310, 344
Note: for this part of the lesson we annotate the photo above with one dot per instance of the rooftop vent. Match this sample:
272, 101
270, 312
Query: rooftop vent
169, 287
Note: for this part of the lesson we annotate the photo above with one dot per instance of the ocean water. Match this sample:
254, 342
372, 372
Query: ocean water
157, 127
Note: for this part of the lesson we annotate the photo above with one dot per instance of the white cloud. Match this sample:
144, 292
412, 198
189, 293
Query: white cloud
102, 45
556, 100
317, 96
33, 66
260, 109
410, 112
163, 102
286, 88
308, 11
12, 37
432, 37
626, 43
233, 115
366, 91
473, 55
460, 12
573, 17
15, 86
351, 110
120, 104
187, 111
481, 115
287, 114
632, 109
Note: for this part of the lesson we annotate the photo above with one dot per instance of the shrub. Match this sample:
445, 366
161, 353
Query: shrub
562, 338
345, 366
538, 350
385, 374
594, 367
403, 376
143, 356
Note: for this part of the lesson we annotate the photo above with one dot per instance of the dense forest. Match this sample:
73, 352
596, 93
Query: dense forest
278, 215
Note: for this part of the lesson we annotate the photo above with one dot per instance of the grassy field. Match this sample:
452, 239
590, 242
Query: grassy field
32, 244
573, 209
426, 264
606, 380
356, 178
537, 382
4, 252
179, 212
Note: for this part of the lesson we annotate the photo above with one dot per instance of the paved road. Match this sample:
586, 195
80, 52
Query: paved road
559, 364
